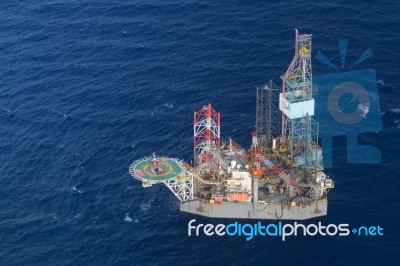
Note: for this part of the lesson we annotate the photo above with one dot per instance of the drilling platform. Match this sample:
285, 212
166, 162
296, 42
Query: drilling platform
279, 177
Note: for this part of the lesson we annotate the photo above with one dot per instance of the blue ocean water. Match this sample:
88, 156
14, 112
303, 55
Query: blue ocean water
86, 87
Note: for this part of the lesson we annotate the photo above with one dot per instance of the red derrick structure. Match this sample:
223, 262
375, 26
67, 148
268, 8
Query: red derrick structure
207, 142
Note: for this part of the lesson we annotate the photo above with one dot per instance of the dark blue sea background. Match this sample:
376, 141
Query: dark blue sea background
87, 87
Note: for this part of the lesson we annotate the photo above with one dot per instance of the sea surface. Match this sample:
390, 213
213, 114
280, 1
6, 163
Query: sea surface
87, 87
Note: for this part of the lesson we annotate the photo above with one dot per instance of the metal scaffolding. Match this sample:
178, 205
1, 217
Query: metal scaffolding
298, 77
267, 115
303, 141
207, 143
182, 186
299, 130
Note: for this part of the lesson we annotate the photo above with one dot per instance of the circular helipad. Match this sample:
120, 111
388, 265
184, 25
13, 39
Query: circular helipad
142, 169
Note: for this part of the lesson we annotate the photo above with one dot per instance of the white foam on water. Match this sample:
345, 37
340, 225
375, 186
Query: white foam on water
59, 113
385, 84
169, 105
364, 109
129, 219
145, 207
76, 190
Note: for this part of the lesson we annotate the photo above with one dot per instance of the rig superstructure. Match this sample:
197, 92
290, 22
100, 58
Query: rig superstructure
281, 175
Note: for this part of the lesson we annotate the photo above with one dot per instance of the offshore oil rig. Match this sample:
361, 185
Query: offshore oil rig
280, 176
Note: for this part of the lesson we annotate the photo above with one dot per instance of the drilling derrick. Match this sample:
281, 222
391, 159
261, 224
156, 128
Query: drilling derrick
207, 143
279, 177
267, 115
299, 130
